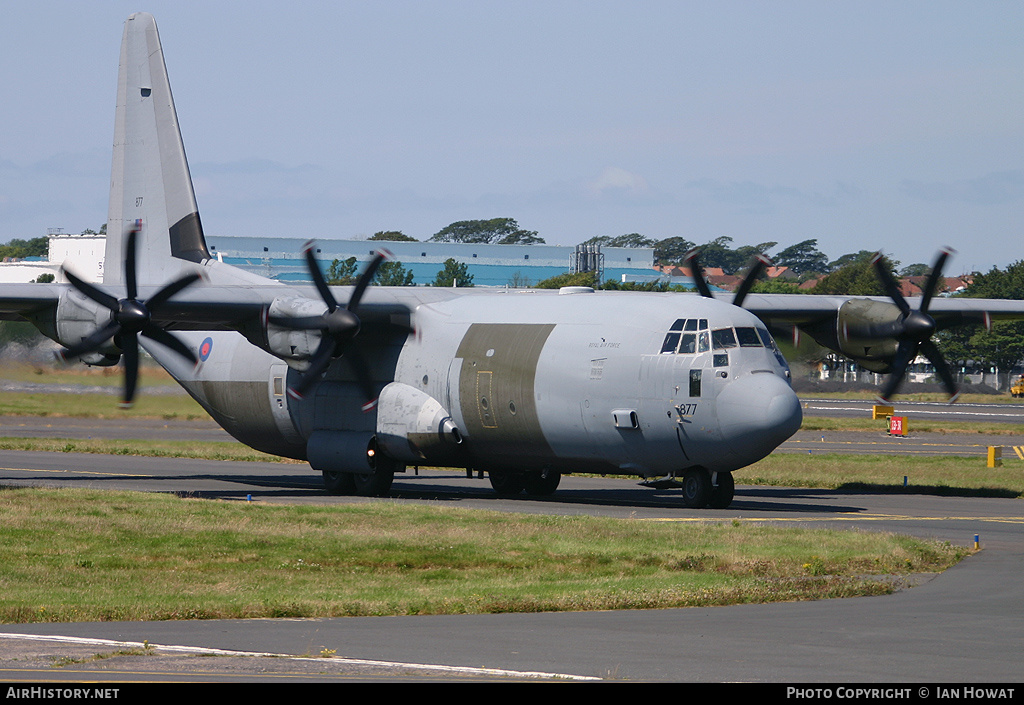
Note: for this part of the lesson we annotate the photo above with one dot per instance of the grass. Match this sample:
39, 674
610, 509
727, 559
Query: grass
208, 450
84, 555
149, 374
966, 397
102, 406
914, 425
946, 475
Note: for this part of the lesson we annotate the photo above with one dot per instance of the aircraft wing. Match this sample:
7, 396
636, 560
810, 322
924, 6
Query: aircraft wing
808, 309
20, 301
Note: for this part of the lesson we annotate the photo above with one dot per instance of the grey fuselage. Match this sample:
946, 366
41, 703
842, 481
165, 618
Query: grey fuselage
578, 381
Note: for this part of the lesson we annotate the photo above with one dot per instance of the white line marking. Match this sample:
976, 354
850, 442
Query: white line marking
361, 662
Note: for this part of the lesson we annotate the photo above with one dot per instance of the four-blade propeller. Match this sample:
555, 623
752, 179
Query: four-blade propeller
912, 330
130, 317
338, 326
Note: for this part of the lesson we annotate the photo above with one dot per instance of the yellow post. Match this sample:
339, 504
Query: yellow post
995, 456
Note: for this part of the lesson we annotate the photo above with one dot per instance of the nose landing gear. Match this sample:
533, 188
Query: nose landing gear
701, 488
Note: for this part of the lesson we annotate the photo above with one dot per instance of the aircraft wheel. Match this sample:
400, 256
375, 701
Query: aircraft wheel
696, 488
721, 496
542, 483
339, 482
507, 484
376, 483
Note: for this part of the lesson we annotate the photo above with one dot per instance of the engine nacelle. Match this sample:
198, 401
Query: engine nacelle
875, 354
76, 319
295, 347
413, 427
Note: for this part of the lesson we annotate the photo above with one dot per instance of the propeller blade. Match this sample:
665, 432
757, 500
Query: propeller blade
317, 366
365, 279
160, 298
130, 348
905, 353
931, 351
299, 322
318, 278
891, 289
760, 262
933, 278
93, 342
98, 295
167, 340
692, 259
129, 265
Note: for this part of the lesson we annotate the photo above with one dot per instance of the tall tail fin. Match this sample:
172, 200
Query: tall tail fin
149, 180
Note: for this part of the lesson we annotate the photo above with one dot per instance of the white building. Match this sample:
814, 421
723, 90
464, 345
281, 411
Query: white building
83, 254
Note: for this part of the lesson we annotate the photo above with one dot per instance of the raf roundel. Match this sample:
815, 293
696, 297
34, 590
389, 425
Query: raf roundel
205, 349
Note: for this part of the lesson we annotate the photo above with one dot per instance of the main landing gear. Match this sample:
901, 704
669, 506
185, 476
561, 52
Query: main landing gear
376, 483
702, 489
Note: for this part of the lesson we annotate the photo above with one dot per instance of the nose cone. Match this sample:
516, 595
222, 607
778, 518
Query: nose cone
756, 413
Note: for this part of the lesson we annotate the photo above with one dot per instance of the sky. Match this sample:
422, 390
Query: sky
894, 126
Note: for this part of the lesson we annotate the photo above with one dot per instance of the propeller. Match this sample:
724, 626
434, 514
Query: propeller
692, 260
338, 327
912, 330
130, 318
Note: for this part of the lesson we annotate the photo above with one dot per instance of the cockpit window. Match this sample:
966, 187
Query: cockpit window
688, 336
748, 338
688, 343
723, 338
670, 343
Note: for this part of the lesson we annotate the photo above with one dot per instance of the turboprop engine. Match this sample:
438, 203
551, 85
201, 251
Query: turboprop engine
293, 345
78, 318
872, 353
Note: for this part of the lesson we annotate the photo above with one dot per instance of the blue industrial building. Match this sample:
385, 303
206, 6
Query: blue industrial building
490, 265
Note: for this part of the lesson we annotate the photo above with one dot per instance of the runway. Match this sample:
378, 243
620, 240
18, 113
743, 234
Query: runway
965, 625
994, 413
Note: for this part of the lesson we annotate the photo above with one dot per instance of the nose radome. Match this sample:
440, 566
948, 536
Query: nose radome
756, 413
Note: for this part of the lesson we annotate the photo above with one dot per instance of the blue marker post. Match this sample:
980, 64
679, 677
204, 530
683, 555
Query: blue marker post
977, 542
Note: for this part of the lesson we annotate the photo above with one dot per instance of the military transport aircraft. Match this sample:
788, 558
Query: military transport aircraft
525, 385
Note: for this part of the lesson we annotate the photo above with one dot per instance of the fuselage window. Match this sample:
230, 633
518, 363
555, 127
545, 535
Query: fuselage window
723, 338
695, 383
748, 338
691, 324
703, 341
